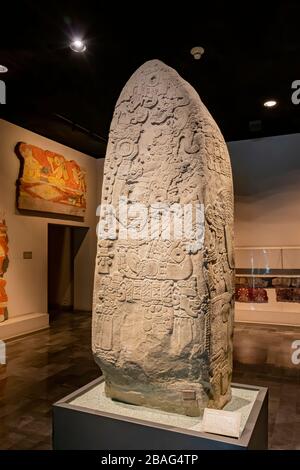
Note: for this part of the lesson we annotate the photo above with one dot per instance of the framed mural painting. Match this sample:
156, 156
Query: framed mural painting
48, 182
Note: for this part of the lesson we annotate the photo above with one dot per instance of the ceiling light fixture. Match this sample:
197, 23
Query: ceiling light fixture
78, 45
270, 103
3, 69
197, 52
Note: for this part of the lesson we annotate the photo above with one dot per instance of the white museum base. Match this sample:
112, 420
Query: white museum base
95, 399
89, 420
23, 324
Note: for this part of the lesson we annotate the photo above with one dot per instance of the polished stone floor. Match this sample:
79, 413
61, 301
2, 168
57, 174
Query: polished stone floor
46, 366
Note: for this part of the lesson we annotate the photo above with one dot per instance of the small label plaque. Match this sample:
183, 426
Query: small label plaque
27, 254
225, 423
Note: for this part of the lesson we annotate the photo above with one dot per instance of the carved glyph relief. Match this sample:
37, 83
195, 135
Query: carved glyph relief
163, 308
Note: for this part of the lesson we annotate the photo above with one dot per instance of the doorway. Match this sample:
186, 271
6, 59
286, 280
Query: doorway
64, 242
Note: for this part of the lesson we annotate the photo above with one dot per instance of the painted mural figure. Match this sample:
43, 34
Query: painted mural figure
3, 269
163, 307
50, 183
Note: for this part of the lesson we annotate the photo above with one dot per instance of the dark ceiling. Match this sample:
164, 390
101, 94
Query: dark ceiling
252, 52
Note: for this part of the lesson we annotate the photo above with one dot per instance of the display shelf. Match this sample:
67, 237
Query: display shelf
273, 312
245, 273
275, 301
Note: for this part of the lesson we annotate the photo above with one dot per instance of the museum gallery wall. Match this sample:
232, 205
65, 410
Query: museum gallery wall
26, 279
267, 214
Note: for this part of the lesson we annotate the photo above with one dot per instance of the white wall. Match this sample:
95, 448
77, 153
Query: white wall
27, 279
85, 259
266, 175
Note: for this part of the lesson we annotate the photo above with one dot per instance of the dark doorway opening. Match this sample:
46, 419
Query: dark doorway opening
63, 244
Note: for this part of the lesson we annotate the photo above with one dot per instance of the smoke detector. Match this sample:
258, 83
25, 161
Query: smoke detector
197, 52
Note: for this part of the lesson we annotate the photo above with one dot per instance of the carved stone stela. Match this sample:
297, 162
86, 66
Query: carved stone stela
163, 309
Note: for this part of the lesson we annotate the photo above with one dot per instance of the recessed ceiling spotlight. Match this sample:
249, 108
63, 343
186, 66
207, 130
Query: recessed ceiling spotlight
3, 69
197, 52
78, 45
270, 103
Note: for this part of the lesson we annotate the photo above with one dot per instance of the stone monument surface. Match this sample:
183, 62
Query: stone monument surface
163, 303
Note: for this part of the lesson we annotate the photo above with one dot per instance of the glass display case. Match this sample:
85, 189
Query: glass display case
268, 284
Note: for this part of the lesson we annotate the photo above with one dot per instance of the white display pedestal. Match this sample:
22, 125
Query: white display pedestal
88, 420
